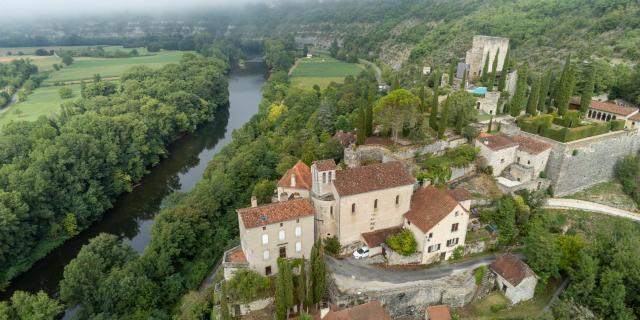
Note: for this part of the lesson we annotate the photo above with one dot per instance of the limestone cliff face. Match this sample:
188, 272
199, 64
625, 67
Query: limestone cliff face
409, 298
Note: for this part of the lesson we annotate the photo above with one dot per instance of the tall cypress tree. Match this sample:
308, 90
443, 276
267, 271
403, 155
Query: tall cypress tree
224, 305
544, 91
452, 70
288, 285
505, 71
494, 71
433, 117
587, 89
302, 292
444, 117
459, 121
361, 134
463, 83
532, 104
396, 83
371, 95
485, 69
318, 272
518, 101
565, 86
281, 295
422, 96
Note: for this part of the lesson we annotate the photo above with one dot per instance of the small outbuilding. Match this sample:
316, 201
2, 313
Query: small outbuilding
514, 278
439, 312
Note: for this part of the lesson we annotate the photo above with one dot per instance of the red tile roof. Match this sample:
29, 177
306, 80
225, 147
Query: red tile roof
428, 207
302, 172
635, 117
497, 142
375, 238
460, 194
325, 165
373, 177
275, 212
608, 107
369, 311
439, 312
237, 256
512, 269
530, 145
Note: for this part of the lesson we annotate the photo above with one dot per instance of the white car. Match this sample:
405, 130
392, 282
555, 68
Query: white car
362, 252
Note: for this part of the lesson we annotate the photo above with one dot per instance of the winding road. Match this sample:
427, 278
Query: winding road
558, 203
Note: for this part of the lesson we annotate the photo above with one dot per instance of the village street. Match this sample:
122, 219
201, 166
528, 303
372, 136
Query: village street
557, 203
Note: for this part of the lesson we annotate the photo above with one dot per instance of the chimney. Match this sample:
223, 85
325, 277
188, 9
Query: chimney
254, 201
293, 180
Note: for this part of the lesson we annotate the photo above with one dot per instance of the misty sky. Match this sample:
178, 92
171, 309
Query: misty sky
34, 8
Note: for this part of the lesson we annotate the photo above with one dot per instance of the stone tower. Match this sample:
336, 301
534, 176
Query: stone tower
481, 46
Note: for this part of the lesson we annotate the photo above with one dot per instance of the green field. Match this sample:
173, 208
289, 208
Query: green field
322, 70
43, 101
85, 68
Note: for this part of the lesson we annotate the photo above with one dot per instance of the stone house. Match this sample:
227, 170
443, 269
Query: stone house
607, 111
439, 312
481, 47
295, 183
532, 156
276, 230
488, 103
438, 221
499, 151
367, 311
514, 278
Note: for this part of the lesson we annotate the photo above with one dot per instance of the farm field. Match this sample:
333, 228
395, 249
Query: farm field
84, 68
43, 101
322, 70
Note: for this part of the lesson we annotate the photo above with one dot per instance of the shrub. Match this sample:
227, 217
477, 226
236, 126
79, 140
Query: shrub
543, 174
479, 273
498, 307
457, 253
574, 152
247, 285
617, 125
332, 245
65, 93
403, 243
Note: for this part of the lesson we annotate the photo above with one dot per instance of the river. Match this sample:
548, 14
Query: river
133, 213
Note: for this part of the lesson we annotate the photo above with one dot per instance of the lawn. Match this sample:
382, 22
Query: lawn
482, 309
84, 68
608, 193
43, 101
322, 70
43, 63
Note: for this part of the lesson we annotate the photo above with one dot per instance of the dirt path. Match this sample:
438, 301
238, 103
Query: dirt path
558, 203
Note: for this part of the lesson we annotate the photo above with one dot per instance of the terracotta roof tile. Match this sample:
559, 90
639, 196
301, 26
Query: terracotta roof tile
439, 312
460, 194
369, 311
635, 117
375, 238
373, 177
275, 212
608, 107
497, 141
237, 256
302, 172
325, 165
530, 145
511, 268
428, 207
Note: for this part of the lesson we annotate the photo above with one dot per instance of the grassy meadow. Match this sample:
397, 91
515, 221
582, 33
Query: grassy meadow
321, 70
46, 100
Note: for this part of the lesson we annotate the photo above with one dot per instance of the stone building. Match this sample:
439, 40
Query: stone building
438, 221
608, 111
514, 278
295, 183
499, 151
276, 230
488, 103
519, 157
481, 47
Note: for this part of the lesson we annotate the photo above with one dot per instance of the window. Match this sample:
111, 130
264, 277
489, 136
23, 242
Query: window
297, 220
281, 235
265, 239
298, 246
265, 255
267, 270
298, 231
353, 208
281, 224
329, 176
430, 235
264, 228
283, 252
433, 248
375, 204
397, 199
324, 177
518, 160
528, 161
408, 222
502, 160
331, 211
454, 227
457, 213
452, 242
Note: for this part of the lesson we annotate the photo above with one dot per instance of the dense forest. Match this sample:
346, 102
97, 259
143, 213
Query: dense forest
59, 175
19, 73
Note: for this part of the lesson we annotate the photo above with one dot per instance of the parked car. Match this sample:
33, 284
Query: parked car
362, 252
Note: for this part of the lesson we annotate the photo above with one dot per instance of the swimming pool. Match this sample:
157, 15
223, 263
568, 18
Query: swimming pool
478, 90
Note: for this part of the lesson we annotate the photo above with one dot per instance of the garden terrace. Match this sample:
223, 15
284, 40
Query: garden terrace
566, 128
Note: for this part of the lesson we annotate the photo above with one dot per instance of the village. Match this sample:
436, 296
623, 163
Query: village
400, 225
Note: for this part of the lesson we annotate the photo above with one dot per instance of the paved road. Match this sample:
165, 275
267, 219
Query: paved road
350, 268
556, 294
375, 68
557, 203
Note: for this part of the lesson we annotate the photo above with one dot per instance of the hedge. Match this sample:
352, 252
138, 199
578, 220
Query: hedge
572, 128
617, 125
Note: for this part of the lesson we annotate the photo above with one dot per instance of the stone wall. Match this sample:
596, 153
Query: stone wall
394, 258
487, 285
251, 306
409, 298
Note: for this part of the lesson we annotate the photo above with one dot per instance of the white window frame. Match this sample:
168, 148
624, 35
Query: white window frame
298, 231
265, 255
298, 246
281, 235
265, 239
